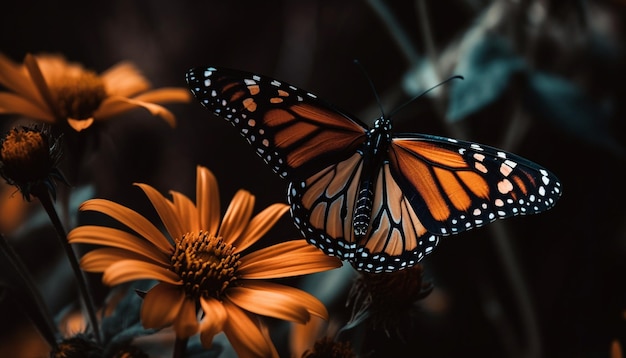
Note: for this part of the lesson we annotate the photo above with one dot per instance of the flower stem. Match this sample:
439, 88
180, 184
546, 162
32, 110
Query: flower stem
180, 346
43, 195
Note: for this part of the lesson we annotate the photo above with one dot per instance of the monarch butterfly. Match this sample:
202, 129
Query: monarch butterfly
378, 199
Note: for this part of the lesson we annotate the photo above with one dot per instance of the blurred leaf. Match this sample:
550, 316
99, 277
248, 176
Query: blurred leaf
567, 106
420, 77
124, 324
487, 66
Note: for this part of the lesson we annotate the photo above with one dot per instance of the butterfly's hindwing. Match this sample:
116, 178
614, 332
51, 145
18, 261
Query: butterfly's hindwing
294, 133
456, 185
323, 206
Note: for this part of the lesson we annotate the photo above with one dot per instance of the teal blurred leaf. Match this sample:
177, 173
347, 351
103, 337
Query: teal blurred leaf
488, 66
567, 106
420, 77
124, 324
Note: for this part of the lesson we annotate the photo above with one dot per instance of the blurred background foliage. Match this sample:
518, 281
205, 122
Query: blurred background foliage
544, 79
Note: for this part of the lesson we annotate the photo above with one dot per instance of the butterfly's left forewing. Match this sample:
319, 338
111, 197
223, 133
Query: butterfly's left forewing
456, 185
292, 130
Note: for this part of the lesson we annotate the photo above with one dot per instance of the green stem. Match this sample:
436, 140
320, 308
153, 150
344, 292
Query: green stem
180, 346
43, 195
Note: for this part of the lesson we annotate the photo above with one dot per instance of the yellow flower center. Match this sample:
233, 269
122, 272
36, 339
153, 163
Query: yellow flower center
206, 264
25, 155
79, 95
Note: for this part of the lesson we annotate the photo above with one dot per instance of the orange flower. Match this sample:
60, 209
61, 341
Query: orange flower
50, 89
202, 265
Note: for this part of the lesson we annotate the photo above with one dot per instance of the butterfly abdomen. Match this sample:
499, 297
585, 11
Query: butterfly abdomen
374, 150
363, 209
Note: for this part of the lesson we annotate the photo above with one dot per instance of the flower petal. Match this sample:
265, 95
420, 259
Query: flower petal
207, 200
275, 300
99, 260
80, 124
106, 236
303, 336
259, 225
165, 209
186, 323
165, 95
290, 258
161, 305
115, 105
124, 79
15, 78
213, 321
130, 270
245, 334
38, 79
13, 104
186, 211
237, 216
130, 218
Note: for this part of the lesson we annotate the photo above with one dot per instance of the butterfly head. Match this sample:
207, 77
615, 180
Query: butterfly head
383, 123
379, 136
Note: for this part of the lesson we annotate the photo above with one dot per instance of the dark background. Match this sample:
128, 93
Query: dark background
542, 79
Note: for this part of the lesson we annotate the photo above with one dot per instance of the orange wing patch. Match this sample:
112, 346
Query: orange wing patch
249, 104
303, 136
433, 153
421, 178
454, 191
476, 183
338, 198
254, 89
326, 118
520, 184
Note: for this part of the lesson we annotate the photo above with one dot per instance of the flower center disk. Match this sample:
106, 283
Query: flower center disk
206, 264
25, 155
79, 95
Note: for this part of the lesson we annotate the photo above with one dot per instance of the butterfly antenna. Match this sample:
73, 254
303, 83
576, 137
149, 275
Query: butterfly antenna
424, 93
369, 80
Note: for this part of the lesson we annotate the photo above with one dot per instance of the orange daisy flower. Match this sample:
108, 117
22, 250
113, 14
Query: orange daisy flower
202, 265
50, 89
